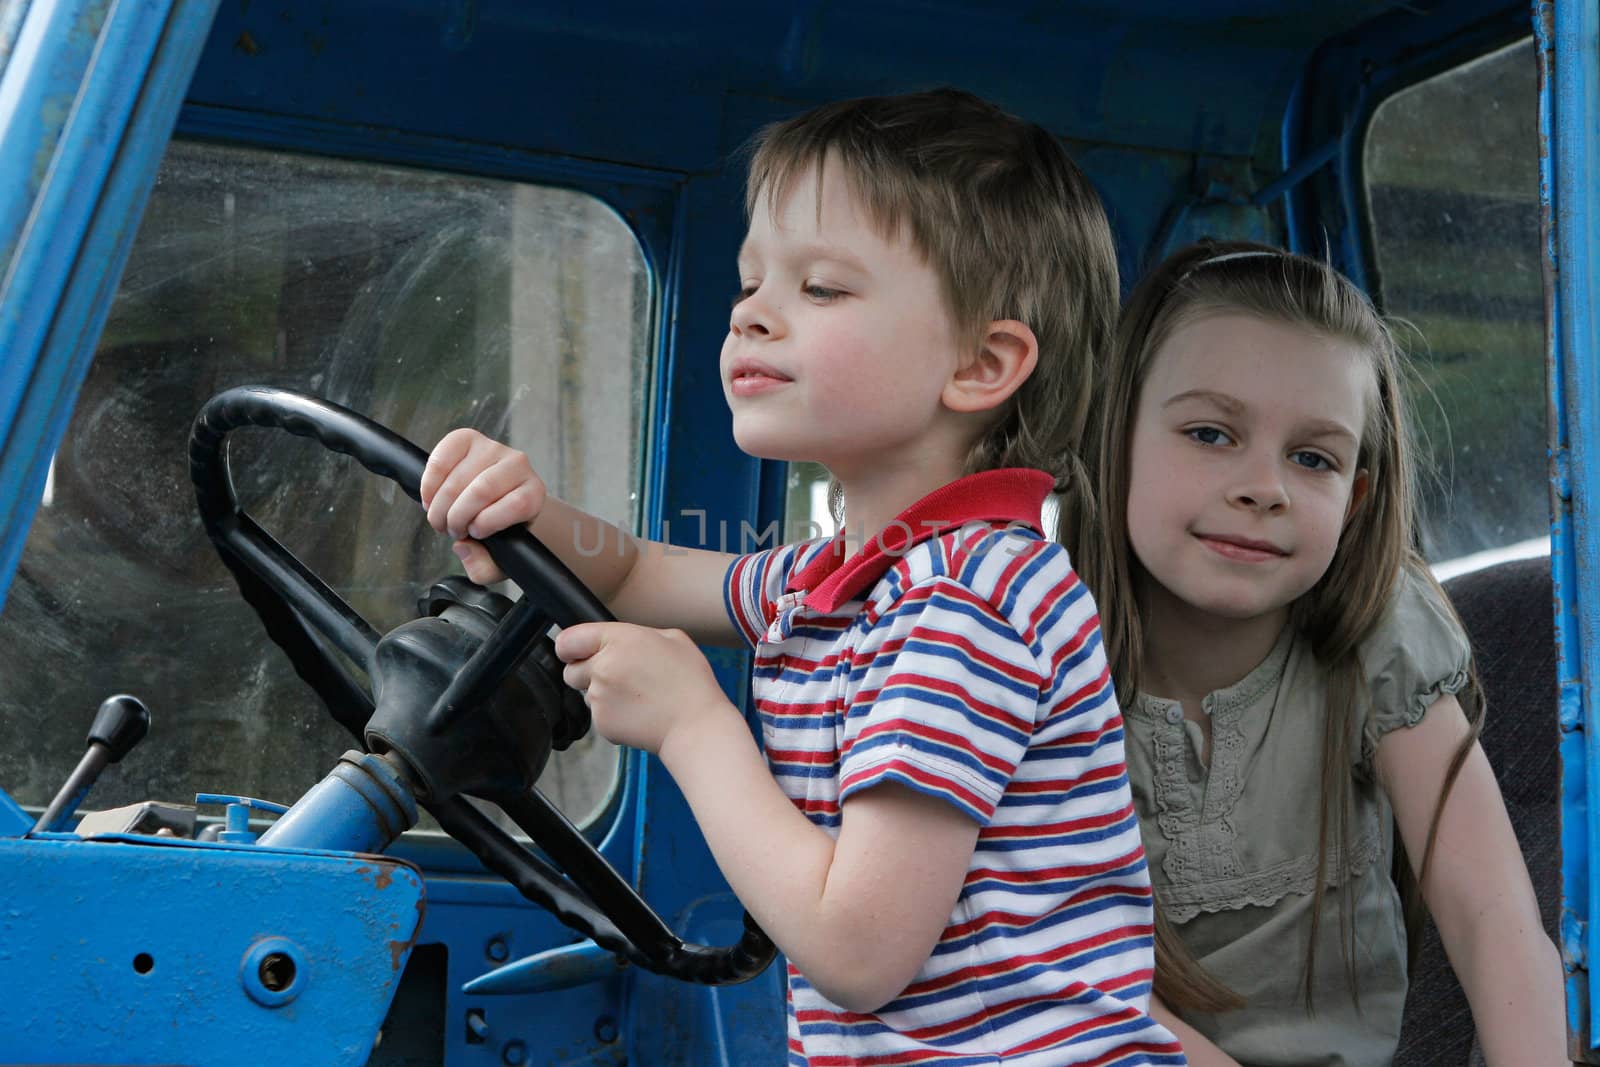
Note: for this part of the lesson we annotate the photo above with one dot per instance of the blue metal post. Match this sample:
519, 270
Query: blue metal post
361, 806
1569, 116
88, 98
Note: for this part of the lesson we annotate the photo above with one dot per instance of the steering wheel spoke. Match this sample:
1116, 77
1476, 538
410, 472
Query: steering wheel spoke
346, 698
313, 600
495, 659
532, 876
649, 941
543, 822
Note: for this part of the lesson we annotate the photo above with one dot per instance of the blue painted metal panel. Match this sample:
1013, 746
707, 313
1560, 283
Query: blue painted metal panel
1569, 116
153, 951
101, 93
646, 83
589, 85
484, 923
14, 822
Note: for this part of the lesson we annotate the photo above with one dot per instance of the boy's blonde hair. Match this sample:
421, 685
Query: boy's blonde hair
1346, 605
1007, 220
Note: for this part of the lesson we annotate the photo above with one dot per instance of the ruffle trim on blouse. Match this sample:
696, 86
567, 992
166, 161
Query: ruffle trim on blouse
1417, 654
1417, 703
1265, 888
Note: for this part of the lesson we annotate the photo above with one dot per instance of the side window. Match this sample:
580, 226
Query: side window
1453, 187
11, 12
426, 301
807, 510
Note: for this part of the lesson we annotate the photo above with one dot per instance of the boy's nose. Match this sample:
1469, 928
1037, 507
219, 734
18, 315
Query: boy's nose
754, 317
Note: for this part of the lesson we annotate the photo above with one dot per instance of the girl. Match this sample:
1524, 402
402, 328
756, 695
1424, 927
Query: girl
1290, 674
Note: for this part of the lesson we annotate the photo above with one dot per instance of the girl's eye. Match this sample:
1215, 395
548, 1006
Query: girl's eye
1311, 461
1208, 435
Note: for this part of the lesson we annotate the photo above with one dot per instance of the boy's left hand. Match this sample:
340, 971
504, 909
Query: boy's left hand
641, 683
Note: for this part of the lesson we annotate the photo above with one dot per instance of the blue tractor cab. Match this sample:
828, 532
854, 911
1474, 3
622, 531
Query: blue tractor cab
335, 805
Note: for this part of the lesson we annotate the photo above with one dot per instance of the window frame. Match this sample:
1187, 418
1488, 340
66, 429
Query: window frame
1343, 85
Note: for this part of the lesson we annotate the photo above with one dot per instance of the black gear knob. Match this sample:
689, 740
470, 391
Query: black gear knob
121, 723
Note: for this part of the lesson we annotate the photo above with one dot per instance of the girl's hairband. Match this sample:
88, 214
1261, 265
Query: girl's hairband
1249, 254
1226, 256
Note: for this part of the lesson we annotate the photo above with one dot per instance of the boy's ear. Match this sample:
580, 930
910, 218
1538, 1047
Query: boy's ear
1006, 355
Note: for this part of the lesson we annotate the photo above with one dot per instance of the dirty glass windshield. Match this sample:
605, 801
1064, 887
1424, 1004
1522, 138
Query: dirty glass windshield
426, 301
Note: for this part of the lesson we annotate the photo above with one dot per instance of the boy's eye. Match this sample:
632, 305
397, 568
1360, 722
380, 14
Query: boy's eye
1208, 435
744, 293
821, 292
1312, 461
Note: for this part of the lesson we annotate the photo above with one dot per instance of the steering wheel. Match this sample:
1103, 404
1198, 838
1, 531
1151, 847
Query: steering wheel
469, 697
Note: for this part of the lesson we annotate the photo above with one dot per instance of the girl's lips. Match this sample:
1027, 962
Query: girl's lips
1242, 551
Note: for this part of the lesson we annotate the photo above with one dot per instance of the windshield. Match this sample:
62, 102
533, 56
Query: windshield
425, 301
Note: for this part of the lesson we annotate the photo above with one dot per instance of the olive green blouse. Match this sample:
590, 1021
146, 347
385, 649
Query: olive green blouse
1232, 846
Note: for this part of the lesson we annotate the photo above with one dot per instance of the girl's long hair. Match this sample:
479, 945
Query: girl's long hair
1345, 606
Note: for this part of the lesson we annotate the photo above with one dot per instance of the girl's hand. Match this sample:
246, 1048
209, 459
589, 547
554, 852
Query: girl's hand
474, 486
643, 685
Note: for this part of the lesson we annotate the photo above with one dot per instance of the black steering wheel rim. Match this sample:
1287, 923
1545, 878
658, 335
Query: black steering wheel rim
296, 607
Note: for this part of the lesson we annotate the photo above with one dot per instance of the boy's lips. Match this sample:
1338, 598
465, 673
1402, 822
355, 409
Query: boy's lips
1243, 549
746, 377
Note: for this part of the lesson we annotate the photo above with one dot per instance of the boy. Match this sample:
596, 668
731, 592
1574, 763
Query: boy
941, 837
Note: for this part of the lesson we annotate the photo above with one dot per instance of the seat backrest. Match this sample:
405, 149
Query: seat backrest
1508, 614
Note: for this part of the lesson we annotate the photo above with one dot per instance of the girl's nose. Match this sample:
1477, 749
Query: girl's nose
754, 317
1260, 489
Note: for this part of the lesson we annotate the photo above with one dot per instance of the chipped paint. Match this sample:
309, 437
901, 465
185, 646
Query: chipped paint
382, 873
400, 950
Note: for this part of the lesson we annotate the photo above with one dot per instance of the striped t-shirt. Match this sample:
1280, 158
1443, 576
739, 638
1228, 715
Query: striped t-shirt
959, 655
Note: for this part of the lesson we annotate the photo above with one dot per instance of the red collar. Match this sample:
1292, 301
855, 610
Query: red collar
1010, 495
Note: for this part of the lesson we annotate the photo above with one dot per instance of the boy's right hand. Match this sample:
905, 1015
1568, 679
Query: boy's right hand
472, 487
